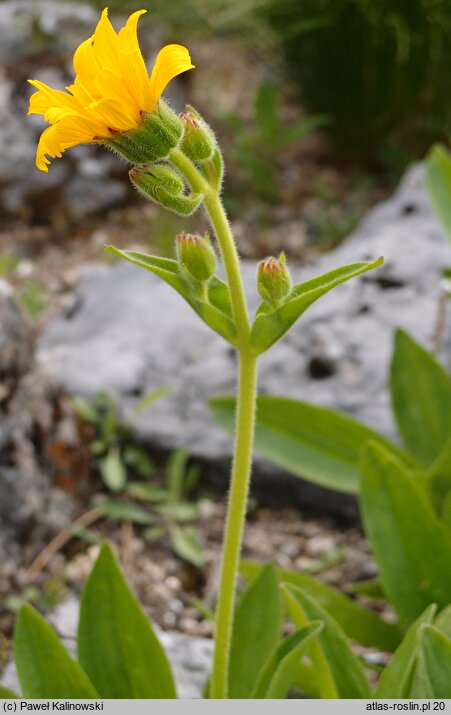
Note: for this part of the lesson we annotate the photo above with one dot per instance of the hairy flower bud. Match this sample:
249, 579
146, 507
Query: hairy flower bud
163, 185
196, 257
159, 132
198, 142
274, 280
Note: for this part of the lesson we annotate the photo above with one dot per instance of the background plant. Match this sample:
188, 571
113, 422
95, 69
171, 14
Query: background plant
405, 494
257, 147
378, 69
158, 503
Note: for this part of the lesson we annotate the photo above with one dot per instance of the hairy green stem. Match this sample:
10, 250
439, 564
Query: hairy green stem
220, 224
236, 514
244, 426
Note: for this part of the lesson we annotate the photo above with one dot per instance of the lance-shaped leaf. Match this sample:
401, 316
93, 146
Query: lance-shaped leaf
396, 678
411, 546
270, 326
45, 668
421, 397
439, 479
278, 672
314, 443
358, 623
7, 694
217, 314
443, 621
117, 646
438, 182
433, 672
256, 631
341, 668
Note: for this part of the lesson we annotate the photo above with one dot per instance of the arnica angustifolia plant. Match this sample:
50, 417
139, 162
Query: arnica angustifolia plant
176, 163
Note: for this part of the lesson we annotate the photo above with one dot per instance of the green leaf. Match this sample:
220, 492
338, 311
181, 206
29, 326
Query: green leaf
113, 471
268, 328
117, 646
137, 459
363, 626
44, 667
267, 109
410, 545
439, 479
276, 676
124, 511
443, 621
185, 543
256, 631
301, 128
85, 409
396, 678
216, 314
147, 492
343, 666
182, 512
438, 183
175, 474
446, 515
433, 674
372, 588
7, 694
148, 400
421, 398
314, 443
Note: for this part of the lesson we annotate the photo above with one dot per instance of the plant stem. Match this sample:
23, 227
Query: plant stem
220, 224
219, 221
236, 514
244, 426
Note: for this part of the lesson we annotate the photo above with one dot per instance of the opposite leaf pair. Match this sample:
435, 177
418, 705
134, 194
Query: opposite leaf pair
269, 325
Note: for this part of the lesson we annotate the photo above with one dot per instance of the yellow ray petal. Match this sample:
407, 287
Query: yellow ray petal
47, 97
76, 130
171, 61
61, 136
128, 35
84, 57
105, 45
108, 85
132, 63
112, 114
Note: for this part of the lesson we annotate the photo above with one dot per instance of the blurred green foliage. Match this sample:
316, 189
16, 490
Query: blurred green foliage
33, 297
162, 509
378, 68
256, 149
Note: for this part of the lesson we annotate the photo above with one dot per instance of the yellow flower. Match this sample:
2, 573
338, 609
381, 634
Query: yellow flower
112, 90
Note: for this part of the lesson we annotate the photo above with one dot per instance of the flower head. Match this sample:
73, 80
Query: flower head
196, 257
274, 280
111, 92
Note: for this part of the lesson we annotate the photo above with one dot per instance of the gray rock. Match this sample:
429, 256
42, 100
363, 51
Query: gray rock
190, 657
28, 26
130, 334
28, 503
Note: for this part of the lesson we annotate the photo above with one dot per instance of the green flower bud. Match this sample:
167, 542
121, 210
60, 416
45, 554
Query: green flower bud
198, 142
196, 257
163, 185
274, 280
159, 132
